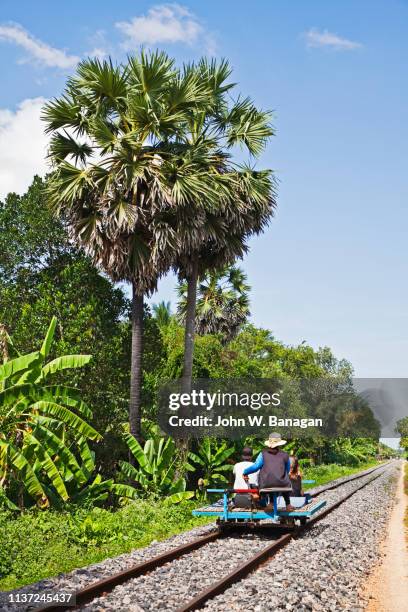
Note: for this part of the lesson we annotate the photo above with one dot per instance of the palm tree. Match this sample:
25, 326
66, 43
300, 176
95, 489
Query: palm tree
212, 237
162, 314
222, 303
117, 177
219, 239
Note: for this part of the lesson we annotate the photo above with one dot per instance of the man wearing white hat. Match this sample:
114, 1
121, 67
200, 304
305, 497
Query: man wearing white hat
274, 466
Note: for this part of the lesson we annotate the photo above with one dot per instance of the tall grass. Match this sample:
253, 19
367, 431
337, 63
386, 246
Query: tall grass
37, 544
325, 473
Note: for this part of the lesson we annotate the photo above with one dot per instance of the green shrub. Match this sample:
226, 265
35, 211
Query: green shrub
156, 467
40, 544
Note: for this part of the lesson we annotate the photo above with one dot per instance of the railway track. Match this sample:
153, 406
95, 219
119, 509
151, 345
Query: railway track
329, 487
102, 588
244, 569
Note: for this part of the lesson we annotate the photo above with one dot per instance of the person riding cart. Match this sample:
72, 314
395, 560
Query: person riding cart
243, 500
274, 466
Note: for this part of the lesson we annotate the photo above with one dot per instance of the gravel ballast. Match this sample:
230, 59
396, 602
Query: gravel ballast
321, 570
324, 569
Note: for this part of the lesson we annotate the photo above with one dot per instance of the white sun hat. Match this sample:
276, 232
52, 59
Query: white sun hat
274, 440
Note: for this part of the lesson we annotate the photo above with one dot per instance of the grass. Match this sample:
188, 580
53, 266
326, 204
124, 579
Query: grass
325, 473
37, 545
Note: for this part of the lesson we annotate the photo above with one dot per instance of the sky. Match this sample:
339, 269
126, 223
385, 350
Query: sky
331, 269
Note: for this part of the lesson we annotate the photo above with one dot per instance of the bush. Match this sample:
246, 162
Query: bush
40, 544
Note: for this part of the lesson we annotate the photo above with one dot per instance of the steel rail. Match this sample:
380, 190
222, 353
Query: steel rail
239, 572
330, 487
105, 585
340, 501
264, 555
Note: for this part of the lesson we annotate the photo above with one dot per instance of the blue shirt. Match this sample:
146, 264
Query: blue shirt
259, 463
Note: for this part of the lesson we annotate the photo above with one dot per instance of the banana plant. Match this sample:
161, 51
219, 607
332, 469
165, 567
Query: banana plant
212, 458
156, 468
44, 436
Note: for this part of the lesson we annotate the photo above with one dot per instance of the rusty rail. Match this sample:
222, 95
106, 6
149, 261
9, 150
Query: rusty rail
105, 585
330, 487
239, 572
244, 569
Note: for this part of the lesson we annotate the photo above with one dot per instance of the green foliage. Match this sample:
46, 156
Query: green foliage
211, 458
386, 452
162, 314
30, 239
222, 304
37, 545
156, 468
39, 428
92, 315
352, 451
325, 473
254, 353
208, 355
402, 429
340, 451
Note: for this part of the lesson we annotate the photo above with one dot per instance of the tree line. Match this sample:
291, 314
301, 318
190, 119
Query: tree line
143, 180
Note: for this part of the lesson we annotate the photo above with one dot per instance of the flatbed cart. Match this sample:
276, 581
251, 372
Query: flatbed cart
230, 516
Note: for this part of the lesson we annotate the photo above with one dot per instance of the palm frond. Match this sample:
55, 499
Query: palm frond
101, 81
150, 72
63, 112
63, 145
245, 125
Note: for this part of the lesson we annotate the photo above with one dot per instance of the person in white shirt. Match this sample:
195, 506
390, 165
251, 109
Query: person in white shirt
247, 461
243, 500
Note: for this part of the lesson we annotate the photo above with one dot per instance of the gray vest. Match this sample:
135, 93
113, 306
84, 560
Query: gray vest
273, 472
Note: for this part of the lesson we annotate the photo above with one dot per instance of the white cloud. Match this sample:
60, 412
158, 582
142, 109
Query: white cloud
22, 146
97, 52
99, 45
38, 50
163, 23
314, 38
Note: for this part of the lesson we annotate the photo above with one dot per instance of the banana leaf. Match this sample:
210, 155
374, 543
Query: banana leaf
19, 364
136, 449
64, 363
176, 498
87, 456
49, 337
122, 490
68, 417
49, 467
57, 447
26, 472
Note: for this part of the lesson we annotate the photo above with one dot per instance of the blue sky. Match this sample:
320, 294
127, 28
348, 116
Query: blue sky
332, 267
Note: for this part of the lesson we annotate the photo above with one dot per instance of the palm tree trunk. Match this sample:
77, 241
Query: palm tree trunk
190, 329
136, 364
186, 382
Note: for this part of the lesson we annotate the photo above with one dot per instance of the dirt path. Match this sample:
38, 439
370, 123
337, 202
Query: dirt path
387, 586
